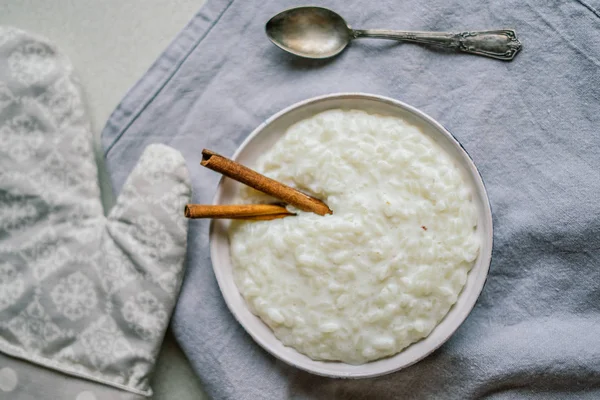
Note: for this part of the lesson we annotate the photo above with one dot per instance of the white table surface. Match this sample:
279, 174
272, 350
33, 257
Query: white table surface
112, 43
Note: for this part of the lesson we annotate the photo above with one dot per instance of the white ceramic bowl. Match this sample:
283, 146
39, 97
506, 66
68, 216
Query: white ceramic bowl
264, 137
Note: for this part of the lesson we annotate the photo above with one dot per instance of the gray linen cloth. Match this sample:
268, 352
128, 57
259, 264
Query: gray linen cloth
532, 127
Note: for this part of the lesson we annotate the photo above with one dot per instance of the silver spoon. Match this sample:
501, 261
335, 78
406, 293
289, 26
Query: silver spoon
316, 32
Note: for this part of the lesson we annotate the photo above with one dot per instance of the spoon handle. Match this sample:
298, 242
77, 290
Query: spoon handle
501, 44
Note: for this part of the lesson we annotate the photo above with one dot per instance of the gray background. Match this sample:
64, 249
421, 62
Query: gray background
531, 127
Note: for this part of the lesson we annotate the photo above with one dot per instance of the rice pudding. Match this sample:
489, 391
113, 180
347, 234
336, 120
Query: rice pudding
386, 267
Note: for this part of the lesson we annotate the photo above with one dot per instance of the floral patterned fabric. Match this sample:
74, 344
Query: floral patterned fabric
82, 293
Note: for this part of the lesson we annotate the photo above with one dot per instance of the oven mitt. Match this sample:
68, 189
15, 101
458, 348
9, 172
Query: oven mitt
81, 295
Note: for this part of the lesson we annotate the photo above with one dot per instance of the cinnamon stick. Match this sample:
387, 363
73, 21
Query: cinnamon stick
257, 212
260, 182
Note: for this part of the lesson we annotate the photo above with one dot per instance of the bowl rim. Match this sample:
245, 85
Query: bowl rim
465, 311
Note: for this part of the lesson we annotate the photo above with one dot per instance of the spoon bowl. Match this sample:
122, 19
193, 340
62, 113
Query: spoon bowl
311, 32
